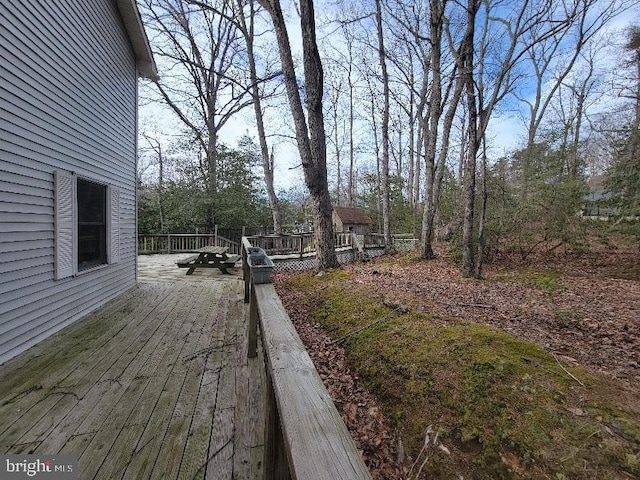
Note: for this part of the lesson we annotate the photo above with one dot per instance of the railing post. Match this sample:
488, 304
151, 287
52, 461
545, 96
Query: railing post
246, 272
169, 243
215, 235
253, 324
354, 247
275, 460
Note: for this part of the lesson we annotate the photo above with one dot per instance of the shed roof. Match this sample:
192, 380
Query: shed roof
597, 195
139, 41
352, 215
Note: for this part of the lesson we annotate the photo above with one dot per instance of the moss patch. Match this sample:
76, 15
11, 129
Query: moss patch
505, 408
548, 280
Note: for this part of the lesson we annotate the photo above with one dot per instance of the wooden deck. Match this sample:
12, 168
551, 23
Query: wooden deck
156, 384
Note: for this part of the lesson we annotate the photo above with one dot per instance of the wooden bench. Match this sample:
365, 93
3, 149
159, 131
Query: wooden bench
232, 259
210, 257
185, 262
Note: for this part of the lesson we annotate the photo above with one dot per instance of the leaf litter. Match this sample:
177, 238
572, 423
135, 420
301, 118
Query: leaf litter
577, 309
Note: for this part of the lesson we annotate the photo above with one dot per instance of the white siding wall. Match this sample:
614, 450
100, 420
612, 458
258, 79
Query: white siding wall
67, 102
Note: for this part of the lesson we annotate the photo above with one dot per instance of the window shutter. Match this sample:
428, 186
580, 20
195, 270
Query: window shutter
114, 229
64, 219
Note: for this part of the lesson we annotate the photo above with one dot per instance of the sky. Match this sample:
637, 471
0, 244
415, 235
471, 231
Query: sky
506, 130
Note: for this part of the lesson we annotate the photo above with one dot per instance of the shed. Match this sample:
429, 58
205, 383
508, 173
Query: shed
596, 204
351, 219
68, 145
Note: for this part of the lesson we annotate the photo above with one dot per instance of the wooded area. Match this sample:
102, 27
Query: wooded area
400, 107
533, 372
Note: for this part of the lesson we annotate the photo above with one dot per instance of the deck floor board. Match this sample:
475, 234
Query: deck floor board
155, 384
125, 365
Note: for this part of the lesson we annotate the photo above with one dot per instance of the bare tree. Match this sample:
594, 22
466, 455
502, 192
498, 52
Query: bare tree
571, 109
437, 96
384, 174
156, 147
310, 133
553, 56
351, 187
486, 88
336, 126
466, 61
371, 95
446, 91
553, 59
204, 80
246, 23
342, 63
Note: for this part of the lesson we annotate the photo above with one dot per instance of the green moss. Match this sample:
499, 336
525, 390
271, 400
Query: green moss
490, 393
547, 280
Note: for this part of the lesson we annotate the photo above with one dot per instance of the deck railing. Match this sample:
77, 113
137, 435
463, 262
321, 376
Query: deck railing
305, 436
284, 244
183, 243
300, 244
295, 244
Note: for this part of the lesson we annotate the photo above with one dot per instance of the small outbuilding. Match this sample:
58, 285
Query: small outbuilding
351, 219
597, 205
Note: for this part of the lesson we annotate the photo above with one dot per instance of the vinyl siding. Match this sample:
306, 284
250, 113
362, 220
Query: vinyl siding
68, 87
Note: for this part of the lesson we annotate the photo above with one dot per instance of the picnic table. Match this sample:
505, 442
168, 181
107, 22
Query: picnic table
210, 257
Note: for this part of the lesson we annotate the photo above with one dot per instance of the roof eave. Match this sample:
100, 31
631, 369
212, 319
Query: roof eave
135, 30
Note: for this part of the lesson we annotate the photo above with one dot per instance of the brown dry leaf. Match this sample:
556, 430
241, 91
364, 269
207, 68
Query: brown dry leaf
591, 318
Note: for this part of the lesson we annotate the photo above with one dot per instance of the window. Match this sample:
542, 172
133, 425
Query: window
87, 224
92, 224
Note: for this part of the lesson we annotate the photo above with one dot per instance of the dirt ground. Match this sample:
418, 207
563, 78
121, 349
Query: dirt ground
585, 309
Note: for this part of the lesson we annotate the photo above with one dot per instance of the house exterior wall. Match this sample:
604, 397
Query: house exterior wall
68, 103
358, 229
337, 222
350, 219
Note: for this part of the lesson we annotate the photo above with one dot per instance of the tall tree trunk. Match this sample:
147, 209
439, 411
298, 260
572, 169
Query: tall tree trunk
412, 155
352, 158
435, 167
573, 151
157, 148
482, 241
212, 184
472, 148
431, 124
271, 193
310, 137
266, 157
336, 144
161, 188
386, 223
417, 167
376, 148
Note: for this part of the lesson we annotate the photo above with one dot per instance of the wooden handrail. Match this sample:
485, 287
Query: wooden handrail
305, 437
183, 243
297, 244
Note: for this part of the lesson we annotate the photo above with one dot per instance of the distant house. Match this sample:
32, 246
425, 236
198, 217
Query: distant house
69, 74
351, 219
597, 205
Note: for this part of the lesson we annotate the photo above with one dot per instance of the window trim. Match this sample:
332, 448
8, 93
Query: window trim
104, 256
66, 224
